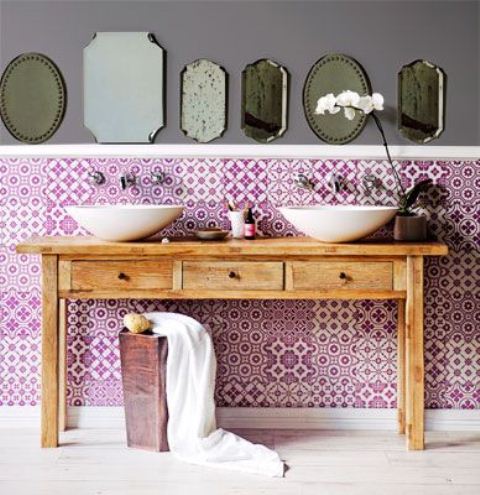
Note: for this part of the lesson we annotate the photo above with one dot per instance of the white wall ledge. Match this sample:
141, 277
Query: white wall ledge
239, 151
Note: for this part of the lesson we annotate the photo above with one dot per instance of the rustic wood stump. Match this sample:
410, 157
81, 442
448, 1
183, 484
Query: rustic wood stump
144, 369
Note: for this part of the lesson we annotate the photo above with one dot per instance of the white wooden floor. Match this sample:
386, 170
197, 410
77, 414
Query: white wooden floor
96, 462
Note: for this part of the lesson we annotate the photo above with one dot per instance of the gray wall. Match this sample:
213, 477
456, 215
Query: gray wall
382, 36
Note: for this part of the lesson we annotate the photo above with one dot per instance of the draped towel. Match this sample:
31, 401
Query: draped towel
192, 432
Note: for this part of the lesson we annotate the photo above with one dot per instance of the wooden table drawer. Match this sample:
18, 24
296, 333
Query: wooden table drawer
324, 275
121, 275
231, 275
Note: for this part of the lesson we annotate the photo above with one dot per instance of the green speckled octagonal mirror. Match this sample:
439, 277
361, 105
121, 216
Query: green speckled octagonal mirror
32, 98
334, 73
203, 100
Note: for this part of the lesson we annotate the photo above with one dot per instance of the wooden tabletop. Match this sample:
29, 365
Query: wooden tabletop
263, 246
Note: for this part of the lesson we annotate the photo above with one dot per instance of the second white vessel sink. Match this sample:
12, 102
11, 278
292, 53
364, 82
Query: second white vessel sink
124, 222
338, 223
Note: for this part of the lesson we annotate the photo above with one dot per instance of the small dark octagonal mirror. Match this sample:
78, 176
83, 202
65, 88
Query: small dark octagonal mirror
421, 101
264, 100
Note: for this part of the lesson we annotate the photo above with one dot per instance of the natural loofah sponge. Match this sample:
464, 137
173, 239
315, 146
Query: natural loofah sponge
137, 323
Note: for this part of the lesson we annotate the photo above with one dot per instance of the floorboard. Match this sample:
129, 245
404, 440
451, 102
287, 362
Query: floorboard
96, 462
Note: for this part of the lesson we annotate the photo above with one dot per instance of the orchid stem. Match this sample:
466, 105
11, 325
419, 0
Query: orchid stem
400, 189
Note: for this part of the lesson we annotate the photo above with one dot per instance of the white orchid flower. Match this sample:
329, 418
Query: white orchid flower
349, 113
327, 103
348, 99
365, 104
370, 103
377, 101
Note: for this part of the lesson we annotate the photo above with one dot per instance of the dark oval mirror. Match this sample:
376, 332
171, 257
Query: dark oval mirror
334, 73
32, 98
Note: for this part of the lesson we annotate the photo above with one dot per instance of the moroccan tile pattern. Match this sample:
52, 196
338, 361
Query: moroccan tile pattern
270, 353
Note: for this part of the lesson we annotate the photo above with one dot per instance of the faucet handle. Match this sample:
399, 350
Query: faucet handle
370, 183
97, 177
157, 177
303, 181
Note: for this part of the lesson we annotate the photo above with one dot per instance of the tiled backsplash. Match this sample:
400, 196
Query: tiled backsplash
270, 353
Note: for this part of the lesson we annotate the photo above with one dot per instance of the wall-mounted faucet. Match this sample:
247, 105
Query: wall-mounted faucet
303, 182
128, 180
335, 182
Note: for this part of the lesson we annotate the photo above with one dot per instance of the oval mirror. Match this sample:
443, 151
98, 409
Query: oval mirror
32, 98
334, 73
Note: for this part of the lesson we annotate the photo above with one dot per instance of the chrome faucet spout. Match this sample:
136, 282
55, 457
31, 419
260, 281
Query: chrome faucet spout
335, 182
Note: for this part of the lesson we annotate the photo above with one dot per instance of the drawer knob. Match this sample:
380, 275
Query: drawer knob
232, 275
343, 275
122, 276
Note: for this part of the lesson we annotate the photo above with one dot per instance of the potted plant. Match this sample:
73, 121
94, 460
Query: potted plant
408, 225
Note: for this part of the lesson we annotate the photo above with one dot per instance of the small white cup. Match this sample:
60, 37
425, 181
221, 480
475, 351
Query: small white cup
237, 221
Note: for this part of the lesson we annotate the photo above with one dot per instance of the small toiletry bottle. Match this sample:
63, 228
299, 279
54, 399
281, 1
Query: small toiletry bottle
250, 225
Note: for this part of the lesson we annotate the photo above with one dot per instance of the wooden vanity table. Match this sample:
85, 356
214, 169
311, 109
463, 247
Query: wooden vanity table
267, 268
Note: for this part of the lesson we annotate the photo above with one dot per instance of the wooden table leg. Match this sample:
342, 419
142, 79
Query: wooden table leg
401, 403
62, 365
49, 411
414, 354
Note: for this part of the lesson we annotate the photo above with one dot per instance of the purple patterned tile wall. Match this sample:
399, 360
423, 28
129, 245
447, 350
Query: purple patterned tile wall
270, 353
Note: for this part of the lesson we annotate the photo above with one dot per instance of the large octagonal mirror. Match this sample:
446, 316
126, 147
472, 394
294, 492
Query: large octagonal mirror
124, 85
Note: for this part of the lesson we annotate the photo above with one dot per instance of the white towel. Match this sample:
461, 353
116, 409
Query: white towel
192, 432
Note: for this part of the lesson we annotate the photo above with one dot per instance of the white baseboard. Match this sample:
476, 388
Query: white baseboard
243, 417
280, 418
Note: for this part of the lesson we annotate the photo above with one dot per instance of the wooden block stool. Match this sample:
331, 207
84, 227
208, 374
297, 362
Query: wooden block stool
144, 368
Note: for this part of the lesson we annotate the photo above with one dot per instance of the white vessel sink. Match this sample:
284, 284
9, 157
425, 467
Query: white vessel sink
124, 222
338, 223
